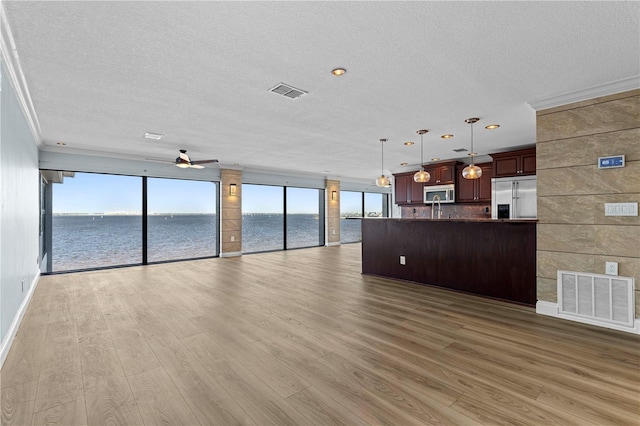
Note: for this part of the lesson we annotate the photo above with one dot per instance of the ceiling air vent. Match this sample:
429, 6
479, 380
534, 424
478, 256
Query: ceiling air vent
460, 150
287, 91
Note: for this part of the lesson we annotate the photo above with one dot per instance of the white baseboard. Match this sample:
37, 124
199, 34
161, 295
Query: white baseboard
551, 309
337, 243
231, 254
547, 308
15, 325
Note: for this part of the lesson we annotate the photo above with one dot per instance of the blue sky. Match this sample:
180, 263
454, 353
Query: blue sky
98, 193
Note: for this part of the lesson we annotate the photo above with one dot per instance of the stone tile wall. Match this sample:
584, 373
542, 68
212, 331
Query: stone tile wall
333, 212
231, 212
573, 232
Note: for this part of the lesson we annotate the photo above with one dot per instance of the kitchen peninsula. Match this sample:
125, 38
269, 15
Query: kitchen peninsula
493, 258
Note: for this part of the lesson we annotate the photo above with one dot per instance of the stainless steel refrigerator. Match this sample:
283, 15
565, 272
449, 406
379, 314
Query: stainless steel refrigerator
513, 198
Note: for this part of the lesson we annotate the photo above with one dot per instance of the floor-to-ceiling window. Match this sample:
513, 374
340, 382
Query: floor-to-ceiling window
96, 221
374, 204
262, 218
101, 220
357, 205
181, 219
303, 217
266, 227
350, 207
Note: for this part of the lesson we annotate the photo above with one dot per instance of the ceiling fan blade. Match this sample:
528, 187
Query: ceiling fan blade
204, 161
196, 166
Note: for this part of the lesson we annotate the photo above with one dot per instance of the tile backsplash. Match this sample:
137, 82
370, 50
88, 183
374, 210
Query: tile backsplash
449, 211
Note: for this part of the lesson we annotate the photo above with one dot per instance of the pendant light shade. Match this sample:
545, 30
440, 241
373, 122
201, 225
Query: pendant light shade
422, 175
383, 181
472, 171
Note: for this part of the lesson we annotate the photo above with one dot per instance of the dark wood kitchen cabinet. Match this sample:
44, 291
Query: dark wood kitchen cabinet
442, 173
514, 163
474, 190
400, 182
408, 191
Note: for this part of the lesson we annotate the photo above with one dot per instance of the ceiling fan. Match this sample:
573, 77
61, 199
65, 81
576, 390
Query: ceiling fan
183, 161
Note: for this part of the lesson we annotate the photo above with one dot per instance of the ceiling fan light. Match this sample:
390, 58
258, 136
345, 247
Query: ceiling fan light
471, 172
383, 181
422, 175
183, 165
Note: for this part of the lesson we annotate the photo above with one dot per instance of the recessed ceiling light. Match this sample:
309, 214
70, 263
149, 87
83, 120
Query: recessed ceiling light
447, 136
60, 143
338, 71
408, 143
492, 126
154, 136
435, 159
404, 164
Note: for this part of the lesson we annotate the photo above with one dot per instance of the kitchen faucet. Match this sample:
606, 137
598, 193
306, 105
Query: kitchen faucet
439, 206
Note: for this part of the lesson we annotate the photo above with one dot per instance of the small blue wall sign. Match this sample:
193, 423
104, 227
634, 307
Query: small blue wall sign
611, 162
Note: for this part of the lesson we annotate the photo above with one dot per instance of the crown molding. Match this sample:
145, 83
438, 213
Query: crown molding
9, 56
610, 88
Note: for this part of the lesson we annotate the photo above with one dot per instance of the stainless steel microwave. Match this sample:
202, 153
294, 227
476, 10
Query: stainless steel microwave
447, 193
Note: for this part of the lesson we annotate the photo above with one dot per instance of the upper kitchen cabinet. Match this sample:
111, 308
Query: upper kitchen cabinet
514, 163
474, 190
407, 191
442, 173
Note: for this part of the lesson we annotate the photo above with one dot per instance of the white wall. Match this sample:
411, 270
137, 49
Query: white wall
19, 211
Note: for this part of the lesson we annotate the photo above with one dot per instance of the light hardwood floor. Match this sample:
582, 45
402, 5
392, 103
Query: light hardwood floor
301, 337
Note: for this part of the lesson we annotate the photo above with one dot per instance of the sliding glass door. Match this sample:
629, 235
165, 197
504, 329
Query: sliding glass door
350, 208
181, 219
262, 218
97, 221
357, 205
281, 218
101, 220
303, 217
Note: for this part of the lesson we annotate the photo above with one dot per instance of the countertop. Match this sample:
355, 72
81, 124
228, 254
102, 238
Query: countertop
425, 219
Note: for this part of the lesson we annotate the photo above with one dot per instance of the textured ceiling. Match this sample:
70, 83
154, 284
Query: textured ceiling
101, 74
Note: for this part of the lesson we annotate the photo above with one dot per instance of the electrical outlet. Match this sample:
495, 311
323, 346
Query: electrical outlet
403, 260
233, 238
611, 268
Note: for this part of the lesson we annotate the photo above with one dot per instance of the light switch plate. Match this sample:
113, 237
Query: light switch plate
611, 268
621, 209
403, 260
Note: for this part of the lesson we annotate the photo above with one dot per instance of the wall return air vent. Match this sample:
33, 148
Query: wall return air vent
287, 91
603, 299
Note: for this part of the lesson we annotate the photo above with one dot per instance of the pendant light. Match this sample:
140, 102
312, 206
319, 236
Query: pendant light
472, 171
383, 181
422, 175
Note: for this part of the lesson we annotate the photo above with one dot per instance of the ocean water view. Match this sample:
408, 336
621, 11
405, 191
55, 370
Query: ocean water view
90, 241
